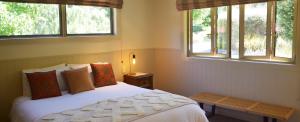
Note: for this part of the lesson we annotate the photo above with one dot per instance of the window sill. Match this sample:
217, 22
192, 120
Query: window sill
253, 61
47, 37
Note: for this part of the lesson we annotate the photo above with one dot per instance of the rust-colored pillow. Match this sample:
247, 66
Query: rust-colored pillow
43, 85
103, 75
78, 80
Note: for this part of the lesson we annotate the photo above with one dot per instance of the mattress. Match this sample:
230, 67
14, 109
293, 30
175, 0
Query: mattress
26, 110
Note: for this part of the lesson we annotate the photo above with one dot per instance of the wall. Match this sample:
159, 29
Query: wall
154, 29
272, 83
132, 27
133, 35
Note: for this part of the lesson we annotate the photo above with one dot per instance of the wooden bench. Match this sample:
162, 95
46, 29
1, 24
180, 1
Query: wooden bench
263, 109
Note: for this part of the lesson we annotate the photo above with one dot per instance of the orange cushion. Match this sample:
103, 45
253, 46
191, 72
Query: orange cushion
43, 85
103, 75
78, 80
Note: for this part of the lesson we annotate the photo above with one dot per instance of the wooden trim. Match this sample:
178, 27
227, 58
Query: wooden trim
269, 31
63, 20
242, 32
190, 34
229, 29
213, 30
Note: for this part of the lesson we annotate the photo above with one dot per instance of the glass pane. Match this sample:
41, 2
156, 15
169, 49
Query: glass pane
255, 29
201, 31
18, 19
88, 20
222, 34
284, 28
235, 26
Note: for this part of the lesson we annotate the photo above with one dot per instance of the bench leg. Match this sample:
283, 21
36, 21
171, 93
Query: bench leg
201, 105
213, 110
274, 120
266, 119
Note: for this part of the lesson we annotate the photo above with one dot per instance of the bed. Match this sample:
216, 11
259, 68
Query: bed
26, 110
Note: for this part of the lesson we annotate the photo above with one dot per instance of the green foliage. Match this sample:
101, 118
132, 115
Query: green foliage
285, 19
88, 19
28, 19
255, 26
201, 19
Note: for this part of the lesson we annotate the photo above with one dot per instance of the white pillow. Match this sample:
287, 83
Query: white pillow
78, 66
59, 68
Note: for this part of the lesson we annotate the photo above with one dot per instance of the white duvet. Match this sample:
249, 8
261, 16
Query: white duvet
27, 110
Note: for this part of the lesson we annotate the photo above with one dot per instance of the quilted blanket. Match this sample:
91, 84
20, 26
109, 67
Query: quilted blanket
123, 109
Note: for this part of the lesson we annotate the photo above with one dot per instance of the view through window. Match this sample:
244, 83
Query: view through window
259, 31
30, 20
88, 19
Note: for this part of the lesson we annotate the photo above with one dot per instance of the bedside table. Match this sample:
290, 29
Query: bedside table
144, 80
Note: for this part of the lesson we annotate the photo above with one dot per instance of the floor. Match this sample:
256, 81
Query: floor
220, 118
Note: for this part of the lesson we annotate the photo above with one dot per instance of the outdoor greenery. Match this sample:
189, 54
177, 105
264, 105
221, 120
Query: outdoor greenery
203, 20
285, 19
201, 30
255, 28
28, 19
88, 19
222, 34
285, 28
18, 19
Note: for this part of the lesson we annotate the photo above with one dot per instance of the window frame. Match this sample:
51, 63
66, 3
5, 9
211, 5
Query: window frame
270, 36
63, 27
213, 35
112, 25
38, 35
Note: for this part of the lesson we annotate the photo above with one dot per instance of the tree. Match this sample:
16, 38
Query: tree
28, 19
201, 19
285, 19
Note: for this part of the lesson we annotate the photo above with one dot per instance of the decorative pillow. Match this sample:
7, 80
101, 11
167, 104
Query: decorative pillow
78, 66
78, 80
103, 75
43, 85
59, 68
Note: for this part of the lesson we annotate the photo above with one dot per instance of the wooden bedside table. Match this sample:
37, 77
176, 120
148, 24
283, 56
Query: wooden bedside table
144, 80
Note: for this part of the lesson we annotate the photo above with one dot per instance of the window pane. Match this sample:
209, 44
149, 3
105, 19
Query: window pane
201, 31
88, 20
18, 19
235, 26
284, 28
222, 34
255, 29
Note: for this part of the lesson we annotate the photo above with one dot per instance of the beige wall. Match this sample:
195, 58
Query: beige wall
132, 27
154, 28
133, 35
273, 83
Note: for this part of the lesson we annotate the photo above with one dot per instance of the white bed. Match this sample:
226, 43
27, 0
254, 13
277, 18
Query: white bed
27, 110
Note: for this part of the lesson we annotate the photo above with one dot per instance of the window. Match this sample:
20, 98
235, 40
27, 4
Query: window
31, 20
202, 31
259, 31
89, 20
25, 19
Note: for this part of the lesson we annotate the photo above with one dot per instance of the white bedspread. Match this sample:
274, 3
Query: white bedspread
27, 110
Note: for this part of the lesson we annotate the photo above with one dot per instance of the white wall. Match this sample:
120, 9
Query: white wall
272, 83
